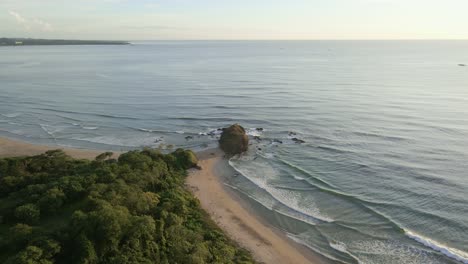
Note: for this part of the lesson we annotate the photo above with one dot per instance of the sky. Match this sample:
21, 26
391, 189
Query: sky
234, 19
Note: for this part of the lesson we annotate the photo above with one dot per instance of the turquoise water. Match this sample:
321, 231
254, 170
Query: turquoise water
381, 178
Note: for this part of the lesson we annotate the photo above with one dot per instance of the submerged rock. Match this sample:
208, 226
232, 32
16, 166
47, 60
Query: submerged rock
234, 140
299, 141
462, 65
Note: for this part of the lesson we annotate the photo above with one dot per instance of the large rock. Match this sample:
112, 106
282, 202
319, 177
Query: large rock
234, 140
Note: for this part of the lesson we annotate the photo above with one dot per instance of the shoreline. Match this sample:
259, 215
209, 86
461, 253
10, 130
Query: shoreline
228, 211
14, 148
231, 214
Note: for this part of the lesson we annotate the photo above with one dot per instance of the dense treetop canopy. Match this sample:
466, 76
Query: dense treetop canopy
56, 209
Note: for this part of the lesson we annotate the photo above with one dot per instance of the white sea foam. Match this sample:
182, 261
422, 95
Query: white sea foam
298, 216
339, 246
146, 130
447, 251
51, 130
291, 199
211, 132
11, 115
299, 203
90, 128
16, 124
267, 203
253, 132
302, 242
118, 141
299, 178
379, 251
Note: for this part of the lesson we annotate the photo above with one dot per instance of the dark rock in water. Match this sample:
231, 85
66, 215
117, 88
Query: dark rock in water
259, 148
299, 141
188, 137
290, 133
277, 141
259, 129
462, 65
185, 158
234, 140
257, 138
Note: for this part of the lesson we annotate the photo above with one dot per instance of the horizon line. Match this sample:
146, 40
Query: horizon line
272, 39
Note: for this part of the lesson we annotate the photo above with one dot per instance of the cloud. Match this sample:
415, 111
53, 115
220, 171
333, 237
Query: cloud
20, 19
31, 23
44, 26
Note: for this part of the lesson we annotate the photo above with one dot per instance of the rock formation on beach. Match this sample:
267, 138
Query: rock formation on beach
234, 140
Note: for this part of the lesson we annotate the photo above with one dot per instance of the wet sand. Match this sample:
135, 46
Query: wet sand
266, 244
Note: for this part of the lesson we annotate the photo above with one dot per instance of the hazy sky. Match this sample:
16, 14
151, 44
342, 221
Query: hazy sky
235, 19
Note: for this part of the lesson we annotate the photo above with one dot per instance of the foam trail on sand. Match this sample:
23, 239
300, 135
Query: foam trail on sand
265, 203
299, 241
271, 204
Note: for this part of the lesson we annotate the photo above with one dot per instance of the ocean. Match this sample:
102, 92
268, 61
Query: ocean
382, 175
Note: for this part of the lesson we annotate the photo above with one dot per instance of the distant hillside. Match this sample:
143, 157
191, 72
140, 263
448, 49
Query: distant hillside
29, 41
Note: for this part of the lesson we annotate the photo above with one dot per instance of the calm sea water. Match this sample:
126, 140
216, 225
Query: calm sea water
381, 178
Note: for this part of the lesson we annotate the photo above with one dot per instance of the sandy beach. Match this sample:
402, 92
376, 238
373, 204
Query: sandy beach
14, 148
267, 245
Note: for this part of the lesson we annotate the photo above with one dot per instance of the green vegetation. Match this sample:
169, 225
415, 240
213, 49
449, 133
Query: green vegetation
56, 209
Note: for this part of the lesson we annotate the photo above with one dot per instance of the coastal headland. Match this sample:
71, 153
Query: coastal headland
266, 244
43, 42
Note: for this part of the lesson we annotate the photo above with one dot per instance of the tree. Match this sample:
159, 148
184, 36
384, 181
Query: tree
104, 156
28, 213
52, 200
134, 210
